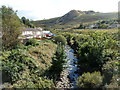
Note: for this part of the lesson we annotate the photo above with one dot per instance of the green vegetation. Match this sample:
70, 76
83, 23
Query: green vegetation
110, 72
97, 51
25, 65
101, 24
57, 63
94, 45
39, 64
33, 65
60, 40
10, 28
90, 80
32, 42
81, 26
27, 22
74, 18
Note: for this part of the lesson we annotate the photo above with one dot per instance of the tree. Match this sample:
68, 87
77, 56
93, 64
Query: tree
69, 38
23, 19
27, 22
10, 27
57, 62
60, 40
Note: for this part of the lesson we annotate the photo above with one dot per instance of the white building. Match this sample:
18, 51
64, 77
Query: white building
28, 33
32, 33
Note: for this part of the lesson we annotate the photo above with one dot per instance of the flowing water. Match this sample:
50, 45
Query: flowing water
69, 75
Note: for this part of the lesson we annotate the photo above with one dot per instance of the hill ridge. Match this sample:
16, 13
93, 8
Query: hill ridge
76, 16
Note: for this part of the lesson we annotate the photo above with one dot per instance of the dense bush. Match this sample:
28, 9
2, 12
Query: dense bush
32, 42
23, 68
60, 40
34, 82
69, 37
110, 71
94, 50
15, 64
90, 80
78, 40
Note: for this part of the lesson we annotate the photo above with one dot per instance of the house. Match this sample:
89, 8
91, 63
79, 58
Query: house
37, 33
31, 33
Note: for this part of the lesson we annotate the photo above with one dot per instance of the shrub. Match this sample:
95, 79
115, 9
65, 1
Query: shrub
60, 40
40, 83
15, 64
32, 81
69, 37
94, 51
44, 83
109, 70
32, 42
90, 80
23, 70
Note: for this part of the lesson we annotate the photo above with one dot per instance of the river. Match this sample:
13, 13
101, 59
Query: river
69, 75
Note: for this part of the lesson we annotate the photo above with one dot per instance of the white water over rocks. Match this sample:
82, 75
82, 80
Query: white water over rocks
69, 75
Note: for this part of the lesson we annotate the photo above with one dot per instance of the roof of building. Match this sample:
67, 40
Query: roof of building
46, 32
31, 29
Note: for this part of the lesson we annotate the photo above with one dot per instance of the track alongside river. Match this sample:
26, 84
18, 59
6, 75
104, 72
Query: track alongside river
69, 75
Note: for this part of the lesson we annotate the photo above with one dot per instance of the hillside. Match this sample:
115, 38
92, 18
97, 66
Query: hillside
75, 17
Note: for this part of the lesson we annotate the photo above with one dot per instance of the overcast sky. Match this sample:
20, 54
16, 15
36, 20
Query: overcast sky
44, 9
